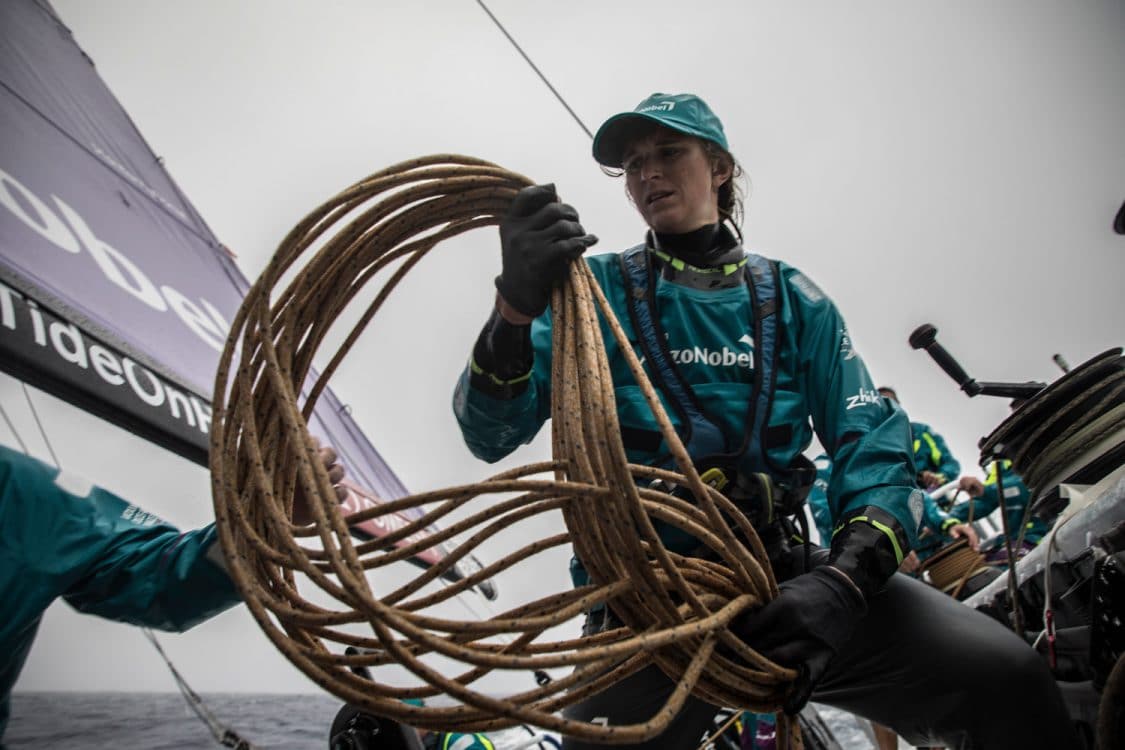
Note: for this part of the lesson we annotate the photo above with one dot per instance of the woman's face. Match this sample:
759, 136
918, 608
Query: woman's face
672, 181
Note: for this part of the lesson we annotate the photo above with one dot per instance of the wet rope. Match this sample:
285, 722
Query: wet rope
676, 609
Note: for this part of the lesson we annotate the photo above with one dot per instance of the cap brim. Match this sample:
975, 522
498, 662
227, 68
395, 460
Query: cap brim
609, 141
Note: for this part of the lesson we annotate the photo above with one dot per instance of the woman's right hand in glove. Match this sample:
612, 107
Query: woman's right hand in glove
539, 237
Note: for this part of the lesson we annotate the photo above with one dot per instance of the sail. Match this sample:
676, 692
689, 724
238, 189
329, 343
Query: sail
114, 293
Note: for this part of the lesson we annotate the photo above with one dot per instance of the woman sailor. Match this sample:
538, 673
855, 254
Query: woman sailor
883, 646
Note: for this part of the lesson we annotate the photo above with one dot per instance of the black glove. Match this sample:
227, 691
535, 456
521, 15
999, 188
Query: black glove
539, 237
804, 627
502, 358
816, 613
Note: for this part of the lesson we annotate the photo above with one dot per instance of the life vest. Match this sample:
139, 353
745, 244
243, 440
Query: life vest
701, 436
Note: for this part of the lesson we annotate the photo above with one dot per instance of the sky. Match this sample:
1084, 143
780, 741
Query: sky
958, 164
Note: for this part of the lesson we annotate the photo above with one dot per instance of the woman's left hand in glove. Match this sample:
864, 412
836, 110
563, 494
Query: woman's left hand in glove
816, 613
804, 627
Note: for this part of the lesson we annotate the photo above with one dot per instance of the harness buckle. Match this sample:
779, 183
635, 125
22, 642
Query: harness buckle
715, 478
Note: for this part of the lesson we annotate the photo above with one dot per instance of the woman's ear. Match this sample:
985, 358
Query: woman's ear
721, 172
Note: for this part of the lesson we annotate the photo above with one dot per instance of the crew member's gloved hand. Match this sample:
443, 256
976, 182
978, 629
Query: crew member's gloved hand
816, 612
539, 237
805, 626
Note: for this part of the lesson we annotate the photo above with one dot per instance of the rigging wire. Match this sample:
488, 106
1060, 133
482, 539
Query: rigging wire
14, 431
538, 72
223, 735
42, 432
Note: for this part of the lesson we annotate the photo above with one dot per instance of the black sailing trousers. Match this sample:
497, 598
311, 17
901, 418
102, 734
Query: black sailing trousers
922, 663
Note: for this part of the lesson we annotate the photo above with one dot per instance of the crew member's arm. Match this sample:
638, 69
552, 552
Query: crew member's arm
871, 488
144, 571
63, 536
946, 524
985, 497
503, 396
872, 491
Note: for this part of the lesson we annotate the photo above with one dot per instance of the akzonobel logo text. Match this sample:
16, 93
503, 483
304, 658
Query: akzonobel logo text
724, 357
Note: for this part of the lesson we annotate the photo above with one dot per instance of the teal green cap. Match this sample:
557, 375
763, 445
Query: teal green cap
684, 113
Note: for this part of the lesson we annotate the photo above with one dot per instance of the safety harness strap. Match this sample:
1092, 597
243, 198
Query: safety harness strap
701, 436
763, 290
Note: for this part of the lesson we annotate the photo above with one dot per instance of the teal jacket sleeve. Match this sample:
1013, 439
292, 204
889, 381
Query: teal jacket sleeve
867, 436
982, 506
62, 536
1016, 498
493, 427
934, 518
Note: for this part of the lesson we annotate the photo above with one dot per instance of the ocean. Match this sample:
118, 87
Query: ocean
163, 721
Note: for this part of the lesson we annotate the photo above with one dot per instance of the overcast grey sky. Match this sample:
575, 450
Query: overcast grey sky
958, 163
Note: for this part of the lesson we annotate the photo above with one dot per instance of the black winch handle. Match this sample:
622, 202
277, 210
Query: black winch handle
925, 337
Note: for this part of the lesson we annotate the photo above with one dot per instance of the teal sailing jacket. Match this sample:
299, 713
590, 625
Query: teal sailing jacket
62, 536
933, 517
822, 384
1016, 498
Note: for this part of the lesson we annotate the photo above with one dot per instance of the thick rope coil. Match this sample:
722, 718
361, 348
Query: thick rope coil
676, 609
952, 567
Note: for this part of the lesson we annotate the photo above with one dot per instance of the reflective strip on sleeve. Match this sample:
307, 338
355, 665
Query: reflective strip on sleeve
478, 371
886, 530
935, 452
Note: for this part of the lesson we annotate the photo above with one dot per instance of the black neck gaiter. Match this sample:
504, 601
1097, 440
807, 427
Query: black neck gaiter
703, 247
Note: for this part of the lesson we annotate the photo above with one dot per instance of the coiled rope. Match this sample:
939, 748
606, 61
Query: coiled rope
952, 567
676, 609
